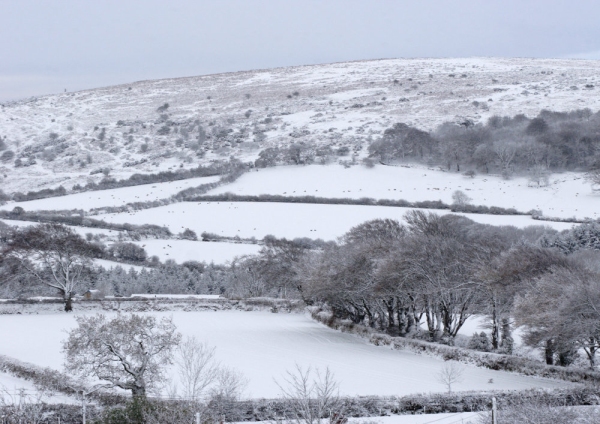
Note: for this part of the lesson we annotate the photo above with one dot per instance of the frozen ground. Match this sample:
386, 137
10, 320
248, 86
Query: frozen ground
247, 219
568, 194
188, 250
264, 345
113, 197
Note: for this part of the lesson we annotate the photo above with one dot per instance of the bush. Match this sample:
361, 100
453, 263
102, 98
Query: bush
128, 252
480, 342
188, 234
7, 155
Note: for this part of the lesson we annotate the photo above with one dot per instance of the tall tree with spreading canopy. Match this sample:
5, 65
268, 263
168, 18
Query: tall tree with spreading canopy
55, 255
127, 351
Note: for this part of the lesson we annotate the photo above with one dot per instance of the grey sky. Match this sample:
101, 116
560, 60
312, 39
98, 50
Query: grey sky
49, 45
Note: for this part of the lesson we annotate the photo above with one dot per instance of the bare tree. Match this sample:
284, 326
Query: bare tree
229, 384
311, 398
55, 255
20, 407
197, 367
460, 198
505, 153
539, 176
593, 176
128, 351
227, 388
450, 373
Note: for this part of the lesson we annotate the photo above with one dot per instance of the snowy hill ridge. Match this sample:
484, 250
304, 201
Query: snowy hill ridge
151, 126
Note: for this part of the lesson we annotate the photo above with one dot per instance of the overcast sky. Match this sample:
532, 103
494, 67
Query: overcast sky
49, 45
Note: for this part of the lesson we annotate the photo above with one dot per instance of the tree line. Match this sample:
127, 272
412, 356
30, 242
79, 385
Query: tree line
552, 141
422, 278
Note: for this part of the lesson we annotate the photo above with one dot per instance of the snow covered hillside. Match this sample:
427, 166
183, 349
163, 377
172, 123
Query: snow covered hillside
151, 126
271, 345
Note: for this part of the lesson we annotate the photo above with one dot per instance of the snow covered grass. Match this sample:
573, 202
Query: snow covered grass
263, 346
112, 197
247, 219
567, 195
188, 250
457, 418
112, 264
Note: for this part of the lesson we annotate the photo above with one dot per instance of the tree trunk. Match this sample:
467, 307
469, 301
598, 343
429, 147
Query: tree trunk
410, 323
68, 302
138, 391
389, 306
507, 341
549, 352
438, 326
495, 326
591, 353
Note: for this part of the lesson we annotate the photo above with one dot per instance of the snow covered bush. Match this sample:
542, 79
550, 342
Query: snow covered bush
480, 342
460, 198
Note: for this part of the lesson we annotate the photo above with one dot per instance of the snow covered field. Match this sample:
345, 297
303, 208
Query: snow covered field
188, 250
247, 219
113, 197
264, 346
568, 194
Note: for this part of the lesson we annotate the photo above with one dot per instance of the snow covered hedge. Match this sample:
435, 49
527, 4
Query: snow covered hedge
494, 361
365, 201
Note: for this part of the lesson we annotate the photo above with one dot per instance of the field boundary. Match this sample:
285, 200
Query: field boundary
493, 361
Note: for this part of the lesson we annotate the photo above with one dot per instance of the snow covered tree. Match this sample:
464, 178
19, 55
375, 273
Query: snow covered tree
561, 312
480, 342
127, 351
460, 198
450, 373
55, 255
311, 397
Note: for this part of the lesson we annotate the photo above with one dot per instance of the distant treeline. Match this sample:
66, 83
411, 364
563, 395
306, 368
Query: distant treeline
552, 141
364, 201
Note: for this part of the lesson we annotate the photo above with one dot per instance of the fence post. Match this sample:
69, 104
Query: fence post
494, 412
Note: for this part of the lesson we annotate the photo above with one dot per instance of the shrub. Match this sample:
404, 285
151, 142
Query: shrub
7, 155
480, 342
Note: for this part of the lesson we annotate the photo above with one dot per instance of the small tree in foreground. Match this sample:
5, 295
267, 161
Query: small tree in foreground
311, 397
450, 373
197, 368
127, 351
